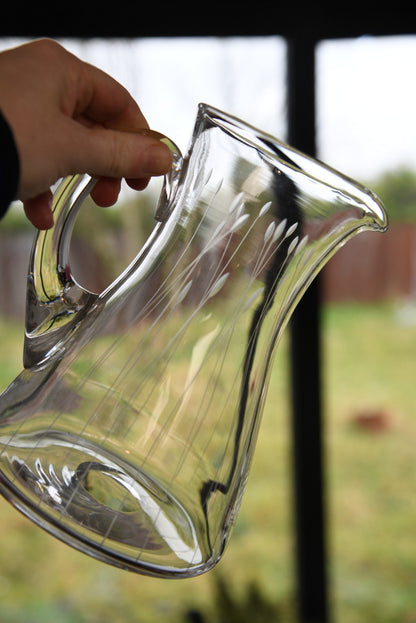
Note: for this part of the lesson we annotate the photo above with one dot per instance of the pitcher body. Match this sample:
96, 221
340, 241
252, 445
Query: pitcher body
130, 432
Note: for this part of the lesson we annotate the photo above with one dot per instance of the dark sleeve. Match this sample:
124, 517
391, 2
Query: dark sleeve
9, 166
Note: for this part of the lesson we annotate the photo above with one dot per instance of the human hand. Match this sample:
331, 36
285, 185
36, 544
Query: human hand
69, 117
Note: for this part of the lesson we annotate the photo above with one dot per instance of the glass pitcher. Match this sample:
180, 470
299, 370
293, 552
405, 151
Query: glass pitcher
130, 431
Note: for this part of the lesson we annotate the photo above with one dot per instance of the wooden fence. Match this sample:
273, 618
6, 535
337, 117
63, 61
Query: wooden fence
371, 267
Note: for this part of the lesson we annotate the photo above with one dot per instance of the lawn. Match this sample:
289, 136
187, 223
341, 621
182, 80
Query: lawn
370, 436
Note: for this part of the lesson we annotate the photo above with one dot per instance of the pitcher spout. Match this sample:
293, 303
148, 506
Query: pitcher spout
376, 213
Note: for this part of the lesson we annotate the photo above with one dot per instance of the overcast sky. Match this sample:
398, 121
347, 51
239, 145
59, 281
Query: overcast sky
367, 106
366, 91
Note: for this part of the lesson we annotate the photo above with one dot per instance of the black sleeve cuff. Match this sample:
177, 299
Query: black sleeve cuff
9, 166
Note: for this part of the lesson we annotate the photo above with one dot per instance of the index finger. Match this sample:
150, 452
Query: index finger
102, 100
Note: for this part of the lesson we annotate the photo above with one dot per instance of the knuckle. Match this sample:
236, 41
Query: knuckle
47, 47
116, 156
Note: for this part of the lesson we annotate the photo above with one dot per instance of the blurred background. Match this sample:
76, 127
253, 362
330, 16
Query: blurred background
365, 128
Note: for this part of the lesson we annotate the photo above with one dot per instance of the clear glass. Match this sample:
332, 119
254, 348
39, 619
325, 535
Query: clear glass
130, 431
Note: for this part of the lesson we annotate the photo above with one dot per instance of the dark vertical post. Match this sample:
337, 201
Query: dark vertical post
305, 372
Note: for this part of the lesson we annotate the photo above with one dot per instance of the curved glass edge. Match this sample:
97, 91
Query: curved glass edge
272, 147
100, 552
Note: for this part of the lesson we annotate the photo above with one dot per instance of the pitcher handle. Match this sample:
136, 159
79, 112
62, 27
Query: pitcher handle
55, 300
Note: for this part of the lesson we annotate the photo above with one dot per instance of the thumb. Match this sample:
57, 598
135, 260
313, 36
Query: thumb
104, 152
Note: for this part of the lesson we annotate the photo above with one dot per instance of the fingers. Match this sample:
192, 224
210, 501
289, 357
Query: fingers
128, 155
106, 191
69, 117
103, 104
139, 184
39, 210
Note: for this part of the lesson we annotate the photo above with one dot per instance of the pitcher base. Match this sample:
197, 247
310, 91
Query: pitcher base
100, 503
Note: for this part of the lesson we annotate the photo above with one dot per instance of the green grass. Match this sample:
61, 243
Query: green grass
369, 362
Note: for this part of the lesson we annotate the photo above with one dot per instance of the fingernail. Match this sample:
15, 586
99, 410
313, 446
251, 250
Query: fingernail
157, 159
